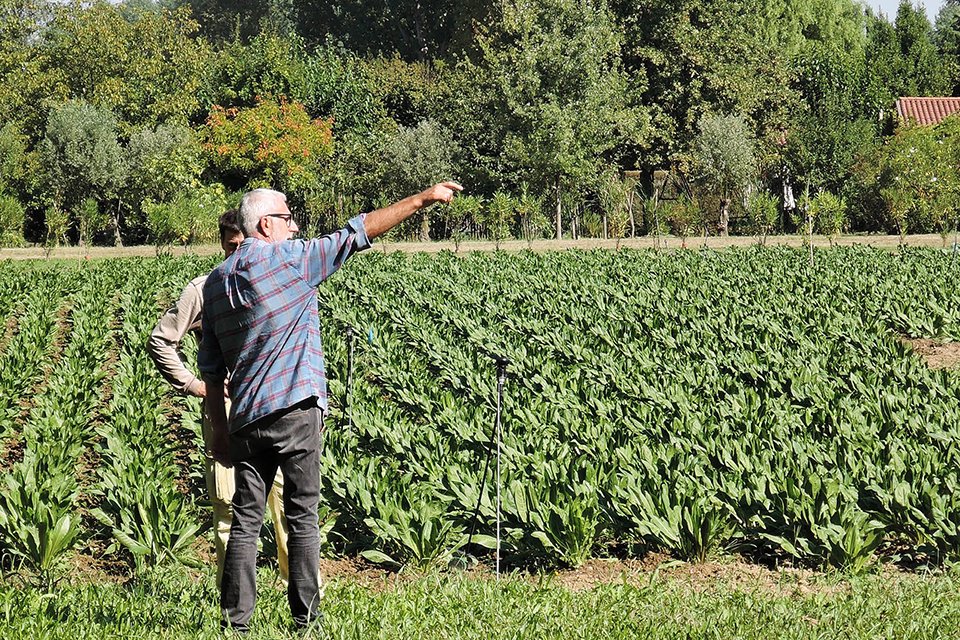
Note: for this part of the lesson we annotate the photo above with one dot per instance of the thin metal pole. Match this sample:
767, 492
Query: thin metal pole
350, 341
956, 236
502, 363
498, 489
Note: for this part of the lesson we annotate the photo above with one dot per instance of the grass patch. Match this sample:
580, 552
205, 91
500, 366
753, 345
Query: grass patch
174, 603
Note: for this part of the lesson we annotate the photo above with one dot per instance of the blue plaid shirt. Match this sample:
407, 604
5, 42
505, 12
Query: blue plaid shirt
260, 322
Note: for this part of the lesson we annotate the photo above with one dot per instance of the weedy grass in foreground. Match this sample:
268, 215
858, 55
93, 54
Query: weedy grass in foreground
171, 603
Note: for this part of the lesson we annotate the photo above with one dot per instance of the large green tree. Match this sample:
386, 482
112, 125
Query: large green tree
904, 55
82, 159
792, 24
416, 30
228, 20
144, 66
837, 119
947, 40
547, 102
918, 65
22, 82
328, 80
699, 57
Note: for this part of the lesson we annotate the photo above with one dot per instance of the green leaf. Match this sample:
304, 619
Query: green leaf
378, 557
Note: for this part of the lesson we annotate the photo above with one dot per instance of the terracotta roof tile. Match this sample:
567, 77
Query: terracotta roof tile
926, 111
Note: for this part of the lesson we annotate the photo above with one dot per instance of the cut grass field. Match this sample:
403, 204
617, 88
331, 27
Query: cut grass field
174, 603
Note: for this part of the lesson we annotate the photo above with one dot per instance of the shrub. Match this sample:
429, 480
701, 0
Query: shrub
763, 210
190, 218
56, 220
914, 176
683, 215
829, 214
274, 144
11, 221
533, 223
615, 200
459, 215
498, 215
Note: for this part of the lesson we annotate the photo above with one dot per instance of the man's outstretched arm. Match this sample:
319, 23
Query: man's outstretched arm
382, 220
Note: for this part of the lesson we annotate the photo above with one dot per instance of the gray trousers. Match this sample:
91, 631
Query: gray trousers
289, 441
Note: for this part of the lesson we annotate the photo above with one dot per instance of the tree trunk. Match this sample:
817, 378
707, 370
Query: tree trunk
559, 222
724, 225
117, 241
425, 228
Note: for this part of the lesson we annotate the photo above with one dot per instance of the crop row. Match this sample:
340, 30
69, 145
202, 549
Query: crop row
79, 396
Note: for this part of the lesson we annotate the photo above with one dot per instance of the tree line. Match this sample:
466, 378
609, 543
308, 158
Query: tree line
141, 121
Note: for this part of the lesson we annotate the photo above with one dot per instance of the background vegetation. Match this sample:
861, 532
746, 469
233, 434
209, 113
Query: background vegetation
119, 120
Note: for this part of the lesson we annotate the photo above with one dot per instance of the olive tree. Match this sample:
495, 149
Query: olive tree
81, 157
417, 157
723, 157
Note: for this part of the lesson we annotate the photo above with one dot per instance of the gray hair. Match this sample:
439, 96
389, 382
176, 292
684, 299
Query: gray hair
255, 205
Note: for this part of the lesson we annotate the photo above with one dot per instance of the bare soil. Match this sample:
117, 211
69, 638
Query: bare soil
938, 355
732, 572
646, 242
729, 572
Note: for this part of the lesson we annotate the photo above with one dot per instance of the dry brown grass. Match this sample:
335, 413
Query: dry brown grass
669, 242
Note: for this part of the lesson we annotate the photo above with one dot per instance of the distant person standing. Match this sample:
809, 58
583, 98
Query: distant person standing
183, 318
261, 326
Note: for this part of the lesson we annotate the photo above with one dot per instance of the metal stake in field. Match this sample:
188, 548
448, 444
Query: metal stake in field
956, 237
350, 341
502, 363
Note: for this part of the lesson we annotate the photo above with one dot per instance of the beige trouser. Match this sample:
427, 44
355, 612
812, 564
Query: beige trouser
220, 485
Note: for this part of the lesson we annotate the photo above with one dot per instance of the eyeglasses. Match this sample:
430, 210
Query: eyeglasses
286, 217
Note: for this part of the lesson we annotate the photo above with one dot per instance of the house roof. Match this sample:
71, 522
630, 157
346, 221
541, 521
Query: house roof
926, 111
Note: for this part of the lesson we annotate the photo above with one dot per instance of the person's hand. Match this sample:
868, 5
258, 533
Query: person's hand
442, 192
220, 447
201, 391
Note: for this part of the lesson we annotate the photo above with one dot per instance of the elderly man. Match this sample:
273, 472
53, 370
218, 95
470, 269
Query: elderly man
260, 326
163, 346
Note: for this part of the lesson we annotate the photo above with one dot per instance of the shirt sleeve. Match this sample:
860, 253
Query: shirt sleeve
210, 356
163, 343
323, 256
